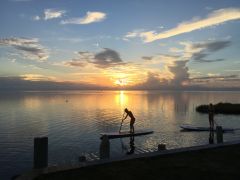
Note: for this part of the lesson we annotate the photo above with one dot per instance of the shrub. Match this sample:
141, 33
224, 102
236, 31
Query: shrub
221, 108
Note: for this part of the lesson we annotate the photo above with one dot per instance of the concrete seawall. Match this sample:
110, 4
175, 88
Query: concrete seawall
204, 155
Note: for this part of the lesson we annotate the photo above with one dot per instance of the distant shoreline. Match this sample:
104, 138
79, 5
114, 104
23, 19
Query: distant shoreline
153, 90
221, 108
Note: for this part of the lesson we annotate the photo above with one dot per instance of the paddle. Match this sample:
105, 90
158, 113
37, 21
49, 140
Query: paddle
121, 122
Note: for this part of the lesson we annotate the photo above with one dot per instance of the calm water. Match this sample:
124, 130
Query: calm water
73, 120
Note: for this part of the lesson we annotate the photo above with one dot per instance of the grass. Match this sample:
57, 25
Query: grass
221, 108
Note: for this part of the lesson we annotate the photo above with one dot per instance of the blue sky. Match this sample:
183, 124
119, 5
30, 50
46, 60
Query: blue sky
147, 44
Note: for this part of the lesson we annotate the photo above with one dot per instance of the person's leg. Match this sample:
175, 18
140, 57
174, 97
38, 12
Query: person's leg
211, 123
131, 127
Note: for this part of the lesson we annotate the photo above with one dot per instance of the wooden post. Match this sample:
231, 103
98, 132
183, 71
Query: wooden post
104, 148
161, 147
82, 159
40, 157
219, 134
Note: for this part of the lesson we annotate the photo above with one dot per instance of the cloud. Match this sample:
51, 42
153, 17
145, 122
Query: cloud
175, 50
200, 50
165, 59
208, 8
215, 18
232, 70
75, 63
36, 18
218, 81
181, 80
180, 72
104, 59
212, 46
85, 54
53, 13
171, 70
49, 14
71, 40
162, 44
36, 77
90, 17
81, 60
21, 0
39, 82
133, 34
216, 78
174, 76
35, 51
107, 58
30, 47
147, 57
153, 81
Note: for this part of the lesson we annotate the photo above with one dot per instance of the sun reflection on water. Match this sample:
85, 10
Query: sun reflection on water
32, 102
121, 99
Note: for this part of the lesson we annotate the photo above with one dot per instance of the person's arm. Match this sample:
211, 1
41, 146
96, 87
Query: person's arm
125, 117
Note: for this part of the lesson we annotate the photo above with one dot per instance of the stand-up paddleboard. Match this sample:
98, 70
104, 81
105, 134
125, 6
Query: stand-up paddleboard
187, 127
122, 134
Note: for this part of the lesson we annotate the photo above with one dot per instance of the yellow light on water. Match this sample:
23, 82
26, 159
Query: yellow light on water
121, 98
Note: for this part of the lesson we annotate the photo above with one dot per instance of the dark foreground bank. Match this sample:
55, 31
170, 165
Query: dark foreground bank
214, 163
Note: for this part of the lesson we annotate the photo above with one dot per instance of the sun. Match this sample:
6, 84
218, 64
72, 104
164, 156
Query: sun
121, 82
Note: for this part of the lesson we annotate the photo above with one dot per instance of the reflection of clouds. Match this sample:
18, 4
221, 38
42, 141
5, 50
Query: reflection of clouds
168, 107
32, 102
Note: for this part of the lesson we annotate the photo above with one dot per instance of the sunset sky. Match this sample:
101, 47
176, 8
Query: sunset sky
137, 44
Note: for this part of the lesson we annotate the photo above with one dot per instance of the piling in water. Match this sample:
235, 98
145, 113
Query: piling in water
219, 131
40, 156
105, 148
161, 147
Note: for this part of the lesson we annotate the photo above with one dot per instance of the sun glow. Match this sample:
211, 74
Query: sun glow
121, 82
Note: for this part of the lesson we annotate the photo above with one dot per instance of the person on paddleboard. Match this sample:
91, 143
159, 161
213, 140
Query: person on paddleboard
132, 121
211, 116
